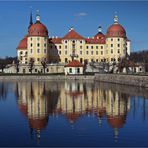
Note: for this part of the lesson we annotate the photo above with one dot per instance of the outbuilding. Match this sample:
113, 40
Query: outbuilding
73, 68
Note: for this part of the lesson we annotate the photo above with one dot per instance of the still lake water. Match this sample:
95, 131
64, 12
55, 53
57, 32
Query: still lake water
72, 113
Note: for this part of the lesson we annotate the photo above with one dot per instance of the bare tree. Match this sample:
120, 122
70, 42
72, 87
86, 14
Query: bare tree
31, 65
44, 64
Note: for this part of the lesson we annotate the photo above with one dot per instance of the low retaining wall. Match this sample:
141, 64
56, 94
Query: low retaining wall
45, 77
134, 80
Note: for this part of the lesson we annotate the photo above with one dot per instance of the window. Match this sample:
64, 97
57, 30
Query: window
26, 52
31, 45
66, 52
31, 39
92, 52
91, 47
66, 60
118, 39
80, 47
111, 50
78, 70
38, 59
65, 41
59, 47
96, 47
101, 47
30, 50
38, 45
73, 46
38, 50
111, 45
44, 38
38, 39
118, 45
36, 70
111, 39
73, 41
60, 52
65, 47
86, 47
101, 52
96, 52
97, 60
118, 50
81, 42
21, 52
47, 70
44, 50
86, 52
80, 52
44, 45
70, 70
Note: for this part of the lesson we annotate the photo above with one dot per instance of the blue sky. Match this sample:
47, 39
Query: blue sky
84, 16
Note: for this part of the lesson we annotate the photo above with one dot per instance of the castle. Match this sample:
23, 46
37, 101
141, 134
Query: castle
38, 46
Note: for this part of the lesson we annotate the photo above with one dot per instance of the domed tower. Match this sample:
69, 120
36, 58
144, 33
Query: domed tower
37, 42
116, 41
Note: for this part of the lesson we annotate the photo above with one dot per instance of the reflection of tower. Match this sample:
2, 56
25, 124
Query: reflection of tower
117, 107
33, 103
37, 108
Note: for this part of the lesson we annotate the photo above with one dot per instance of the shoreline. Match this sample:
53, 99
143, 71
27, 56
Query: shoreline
130, 80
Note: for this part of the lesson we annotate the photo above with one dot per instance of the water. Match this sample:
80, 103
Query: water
72, 113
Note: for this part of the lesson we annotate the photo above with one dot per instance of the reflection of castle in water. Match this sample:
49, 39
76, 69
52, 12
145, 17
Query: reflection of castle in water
38, 100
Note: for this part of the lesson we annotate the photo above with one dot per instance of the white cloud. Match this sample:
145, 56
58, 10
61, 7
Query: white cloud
81, 14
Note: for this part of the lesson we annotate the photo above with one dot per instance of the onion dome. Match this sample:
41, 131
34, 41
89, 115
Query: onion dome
38, 29
117, 121
23, 43
116, 30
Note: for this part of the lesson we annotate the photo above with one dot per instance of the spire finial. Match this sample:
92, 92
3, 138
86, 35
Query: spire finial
115, 18
100, 29
37, 16
30, 22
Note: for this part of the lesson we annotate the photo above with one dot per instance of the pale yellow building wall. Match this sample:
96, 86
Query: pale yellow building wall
43, 48
118, 52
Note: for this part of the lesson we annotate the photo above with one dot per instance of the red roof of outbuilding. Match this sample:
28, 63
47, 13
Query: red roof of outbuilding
116, 30
38, 29
73, 35
74, 63
23, 43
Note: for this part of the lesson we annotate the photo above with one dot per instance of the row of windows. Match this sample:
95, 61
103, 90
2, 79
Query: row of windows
92, 52
38, 45
74, 41
38, 39
113, 39
38, 51
96, 60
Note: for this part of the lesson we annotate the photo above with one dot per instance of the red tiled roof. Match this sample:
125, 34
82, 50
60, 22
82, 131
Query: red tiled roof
116, 30
38, 29
74, 63
99, 38
56, 40
73, 35
23, 43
